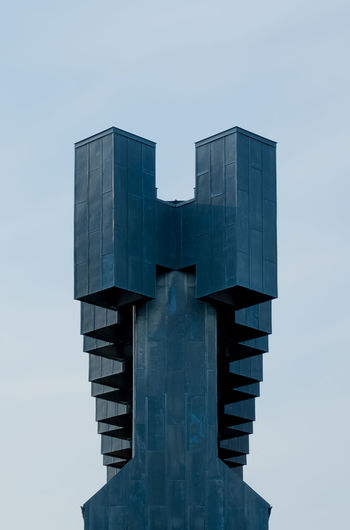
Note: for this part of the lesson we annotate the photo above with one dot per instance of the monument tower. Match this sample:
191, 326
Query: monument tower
175, 312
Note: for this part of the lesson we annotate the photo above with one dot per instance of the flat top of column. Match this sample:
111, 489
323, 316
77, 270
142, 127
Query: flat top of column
114, 130
234, 130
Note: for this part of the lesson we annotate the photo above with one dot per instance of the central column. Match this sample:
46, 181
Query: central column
175, 404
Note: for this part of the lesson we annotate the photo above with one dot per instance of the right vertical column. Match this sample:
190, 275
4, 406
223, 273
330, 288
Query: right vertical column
236, 218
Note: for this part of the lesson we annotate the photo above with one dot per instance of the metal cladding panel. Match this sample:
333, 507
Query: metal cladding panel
134, 204
114, 217
168, 235
189, 241
95, 318
93, 215
256, 316
236, 218
257, 242
216, 216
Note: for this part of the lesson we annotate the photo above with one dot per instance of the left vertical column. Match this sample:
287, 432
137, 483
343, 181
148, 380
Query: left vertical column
114, 254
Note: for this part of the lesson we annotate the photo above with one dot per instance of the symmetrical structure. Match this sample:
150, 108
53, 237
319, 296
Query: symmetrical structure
175, 312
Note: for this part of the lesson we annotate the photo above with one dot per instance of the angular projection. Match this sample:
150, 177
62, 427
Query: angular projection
175, 313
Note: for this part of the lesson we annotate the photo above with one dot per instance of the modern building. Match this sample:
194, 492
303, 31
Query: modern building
175, 312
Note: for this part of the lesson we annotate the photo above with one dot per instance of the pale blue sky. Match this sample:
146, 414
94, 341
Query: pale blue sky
174, 72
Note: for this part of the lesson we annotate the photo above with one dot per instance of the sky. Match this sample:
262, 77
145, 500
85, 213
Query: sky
174, 72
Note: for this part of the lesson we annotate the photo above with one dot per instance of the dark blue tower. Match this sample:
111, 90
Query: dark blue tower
175, 312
